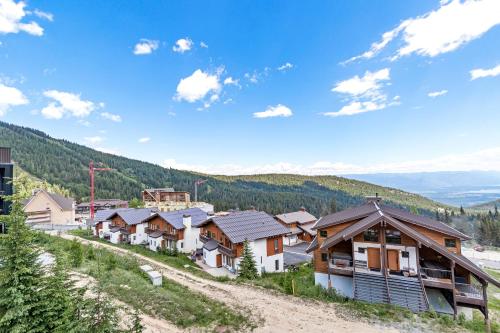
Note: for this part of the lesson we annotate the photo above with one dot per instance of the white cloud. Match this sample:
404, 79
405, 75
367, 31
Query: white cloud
274, 111
485, 160
443, 30
285, 67
437, 93
171, 113
369, 84
145, 46
85, 123
94, 139
9, 97
110, 116
230, 81
196, 86
182, 45
355, 108
44, 15
11, 16
144, 140
203, 45
254, 77
66, 103
364, 93
480, 73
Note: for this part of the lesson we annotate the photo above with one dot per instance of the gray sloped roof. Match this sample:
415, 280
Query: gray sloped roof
198, 216
308, 228
134, 216
297, 217
346, 215
105, 214
250, 225
63, 202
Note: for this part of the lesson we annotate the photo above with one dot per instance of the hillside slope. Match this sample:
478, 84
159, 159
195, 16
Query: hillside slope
64, 163
490, 205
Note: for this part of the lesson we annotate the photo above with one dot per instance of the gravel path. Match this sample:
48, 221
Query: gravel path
273, 312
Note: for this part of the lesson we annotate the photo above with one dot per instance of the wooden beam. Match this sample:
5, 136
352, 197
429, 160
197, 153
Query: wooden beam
383, 262
353, 268
328, 265
453, 290
417, 253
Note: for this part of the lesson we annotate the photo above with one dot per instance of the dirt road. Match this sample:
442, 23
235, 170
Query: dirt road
274, 312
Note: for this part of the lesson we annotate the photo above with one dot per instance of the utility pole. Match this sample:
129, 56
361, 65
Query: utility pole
196, 184
92, 169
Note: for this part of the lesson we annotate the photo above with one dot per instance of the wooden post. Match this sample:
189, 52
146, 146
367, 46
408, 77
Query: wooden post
293, 287
353, 269
383, 262
453, 290
328, 267
419, 274
485, 299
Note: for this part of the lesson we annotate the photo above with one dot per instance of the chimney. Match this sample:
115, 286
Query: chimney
302, 209
372, 198
186, 220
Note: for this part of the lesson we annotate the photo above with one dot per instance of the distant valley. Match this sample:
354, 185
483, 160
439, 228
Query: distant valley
456, 188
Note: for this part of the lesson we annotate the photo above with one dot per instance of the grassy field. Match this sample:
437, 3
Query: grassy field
122, 279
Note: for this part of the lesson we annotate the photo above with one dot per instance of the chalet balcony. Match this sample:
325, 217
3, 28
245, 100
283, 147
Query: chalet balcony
469, 293
227, 251
341, 267
434, 277
204, 238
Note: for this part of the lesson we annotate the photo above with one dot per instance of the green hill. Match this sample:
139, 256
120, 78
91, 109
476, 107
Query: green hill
66, 164
490, 205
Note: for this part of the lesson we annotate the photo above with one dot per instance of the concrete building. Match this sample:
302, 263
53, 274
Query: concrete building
167, 199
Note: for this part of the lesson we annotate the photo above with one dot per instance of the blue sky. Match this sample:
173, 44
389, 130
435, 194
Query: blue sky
316, 87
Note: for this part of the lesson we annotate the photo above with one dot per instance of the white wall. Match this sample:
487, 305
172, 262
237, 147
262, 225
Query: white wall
115, 237
140, 234
342, 284
404, 263
265, 263
191, 240
210, 257
154, 243
290, 240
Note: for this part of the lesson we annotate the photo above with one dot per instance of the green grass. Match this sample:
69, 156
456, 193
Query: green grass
122, 279
180, 261
493, 292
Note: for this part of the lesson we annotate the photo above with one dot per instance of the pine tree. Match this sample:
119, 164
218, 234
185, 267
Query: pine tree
248, 268
21, 276
333, 206
462, 211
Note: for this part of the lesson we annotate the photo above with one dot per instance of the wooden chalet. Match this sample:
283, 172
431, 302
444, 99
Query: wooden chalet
299, 224
381, 254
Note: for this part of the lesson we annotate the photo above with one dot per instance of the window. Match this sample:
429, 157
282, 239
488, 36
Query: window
393, 237
450, 242
405, 254
182, 245
370, 235
323, 233
277, 265
361, 250
324, 257
276, 246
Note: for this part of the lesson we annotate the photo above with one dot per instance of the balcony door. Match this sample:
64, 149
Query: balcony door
393, 260
373, 257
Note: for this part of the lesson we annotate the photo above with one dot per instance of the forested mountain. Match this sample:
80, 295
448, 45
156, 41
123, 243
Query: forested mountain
66, 164
490, 205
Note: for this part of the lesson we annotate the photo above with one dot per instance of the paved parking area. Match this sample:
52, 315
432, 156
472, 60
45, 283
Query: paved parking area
296, 254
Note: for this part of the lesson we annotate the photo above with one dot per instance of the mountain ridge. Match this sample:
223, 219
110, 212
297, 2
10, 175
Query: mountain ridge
65, 163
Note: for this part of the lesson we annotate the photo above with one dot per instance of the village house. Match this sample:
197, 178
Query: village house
299, 224
175, 230
381, 254
126, 225
100, 224
223, 237
83, 208
49, 208
167, 199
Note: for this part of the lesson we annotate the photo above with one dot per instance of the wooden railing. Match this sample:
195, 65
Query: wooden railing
204, 238
469, 290
227, 251
434, 273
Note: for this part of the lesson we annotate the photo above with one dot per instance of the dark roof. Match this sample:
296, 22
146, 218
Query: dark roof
369, 208
211, 245
105, 214
249, 225
313, 246
198, 216
133, 216
307, 228
296, 217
